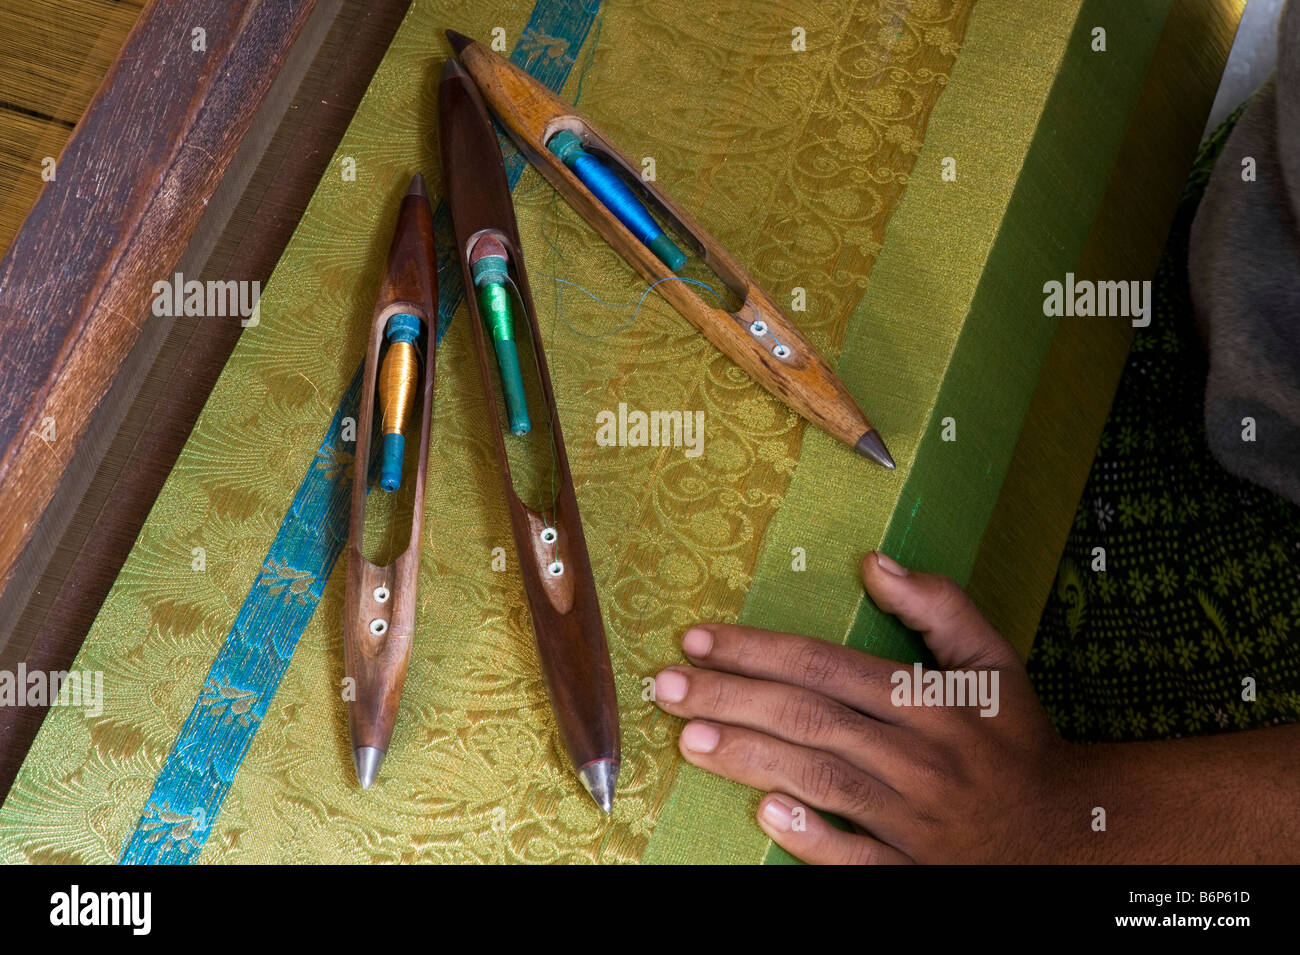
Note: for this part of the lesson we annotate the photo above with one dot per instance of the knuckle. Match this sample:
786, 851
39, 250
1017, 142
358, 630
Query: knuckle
931, 770
804, 716
836, 784
719, 694
814, 663
927, 820
819, 776
814, 719
863, 730
743, 750
949, 599
733, 642
868, 798
934, 771
744, 646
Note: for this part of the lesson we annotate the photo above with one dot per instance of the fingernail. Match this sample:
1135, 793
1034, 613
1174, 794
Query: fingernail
891, 565
778, 813
700, 737
697, 643
670, 686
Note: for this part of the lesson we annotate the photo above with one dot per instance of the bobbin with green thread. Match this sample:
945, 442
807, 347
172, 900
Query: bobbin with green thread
490, 278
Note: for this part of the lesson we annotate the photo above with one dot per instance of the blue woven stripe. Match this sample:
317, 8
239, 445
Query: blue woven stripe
193, 782
189, 790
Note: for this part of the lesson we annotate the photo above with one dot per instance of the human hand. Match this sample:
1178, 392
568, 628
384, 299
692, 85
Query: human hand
815, 725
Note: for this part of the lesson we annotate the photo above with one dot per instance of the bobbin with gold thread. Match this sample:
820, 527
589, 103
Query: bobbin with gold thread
397, 394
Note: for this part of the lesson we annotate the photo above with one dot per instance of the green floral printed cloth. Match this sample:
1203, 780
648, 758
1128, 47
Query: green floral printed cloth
1194, 625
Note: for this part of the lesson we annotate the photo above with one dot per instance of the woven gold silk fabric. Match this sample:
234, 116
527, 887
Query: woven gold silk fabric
790, 133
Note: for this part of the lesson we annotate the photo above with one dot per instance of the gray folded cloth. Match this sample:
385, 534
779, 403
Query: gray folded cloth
1244, 268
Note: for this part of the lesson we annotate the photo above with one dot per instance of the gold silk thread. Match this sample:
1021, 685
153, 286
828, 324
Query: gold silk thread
399, 377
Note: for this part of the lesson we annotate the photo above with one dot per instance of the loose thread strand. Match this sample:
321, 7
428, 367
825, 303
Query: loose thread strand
635, 311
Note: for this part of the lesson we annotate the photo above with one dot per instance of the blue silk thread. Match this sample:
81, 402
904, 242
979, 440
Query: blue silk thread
617, 197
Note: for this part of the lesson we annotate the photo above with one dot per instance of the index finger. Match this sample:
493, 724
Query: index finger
852, 677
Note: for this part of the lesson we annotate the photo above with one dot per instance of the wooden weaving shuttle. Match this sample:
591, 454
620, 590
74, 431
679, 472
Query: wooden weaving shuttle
553, 558
379, 615
758, 336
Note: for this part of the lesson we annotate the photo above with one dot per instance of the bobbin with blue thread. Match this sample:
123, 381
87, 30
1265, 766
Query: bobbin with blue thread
616, 197
782, 360
399, 378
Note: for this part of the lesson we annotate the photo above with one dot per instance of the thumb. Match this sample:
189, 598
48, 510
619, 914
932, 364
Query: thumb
949, 622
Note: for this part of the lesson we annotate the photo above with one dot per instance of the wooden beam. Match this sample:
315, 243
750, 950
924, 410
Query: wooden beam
52, 626
145, 185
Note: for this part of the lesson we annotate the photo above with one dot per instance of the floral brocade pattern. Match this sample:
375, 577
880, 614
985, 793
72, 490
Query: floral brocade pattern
794, 159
